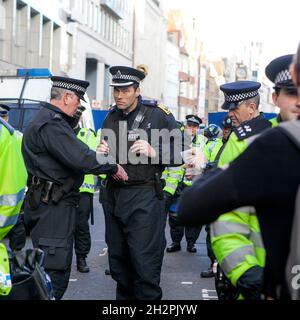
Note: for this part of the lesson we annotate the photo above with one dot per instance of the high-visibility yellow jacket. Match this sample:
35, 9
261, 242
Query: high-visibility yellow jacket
235, 236
88, 137
212, 148
13, 177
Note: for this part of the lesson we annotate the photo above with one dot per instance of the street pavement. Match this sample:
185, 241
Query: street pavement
180, 278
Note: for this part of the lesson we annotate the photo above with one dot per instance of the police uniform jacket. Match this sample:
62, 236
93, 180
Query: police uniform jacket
52, 151
155, 117
266, 176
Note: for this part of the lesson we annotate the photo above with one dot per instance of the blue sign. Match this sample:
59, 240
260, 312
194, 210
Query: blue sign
99, 116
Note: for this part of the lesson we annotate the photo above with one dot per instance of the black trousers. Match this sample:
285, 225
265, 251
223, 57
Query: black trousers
135, 222
17, 235
177, 231
82, 232
210, 252
52, 229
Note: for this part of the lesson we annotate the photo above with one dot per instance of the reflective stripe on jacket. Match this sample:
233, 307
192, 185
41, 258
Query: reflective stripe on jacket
172, 176
88, 137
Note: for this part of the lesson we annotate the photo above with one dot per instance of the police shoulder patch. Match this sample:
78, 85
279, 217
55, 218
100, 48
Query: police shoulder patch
164, 108
251, 128
57, 117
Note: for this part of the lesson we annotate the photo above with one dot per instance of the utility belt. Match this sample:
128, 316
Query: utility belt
45, 191
157, 183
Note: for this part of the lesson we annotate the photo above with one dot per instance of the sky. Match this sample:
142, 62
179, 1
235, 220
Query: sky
225, 25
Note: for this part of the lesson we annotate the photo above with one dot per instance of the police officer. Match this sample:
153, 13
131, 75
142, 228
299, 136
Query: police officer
85, 209
226, 126
213, 143
177, 231
135, 211
285, 92
17, 235
235, 237
4, 114
56, 162
273, 195
13, 178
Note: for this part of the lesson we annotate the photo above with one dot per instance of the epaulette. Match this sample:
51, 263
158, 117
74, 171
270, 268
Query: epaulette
251, 128
154, 103
10, 129
164, 109
149, 103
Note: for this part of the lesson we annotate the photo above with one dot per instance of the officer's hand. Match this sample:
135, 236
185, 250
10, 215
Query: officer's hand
143, 147
103, 147
198, 160
189, 174
191, 171
120, 175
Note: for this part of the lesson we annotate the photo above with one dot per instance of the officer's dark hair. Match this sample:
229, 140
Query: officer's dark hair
255, 100
57, 93
292, 91
135, 86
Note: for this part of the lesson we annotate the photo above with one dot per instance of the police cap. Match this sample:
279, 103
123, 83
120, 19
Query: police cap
236, 92
4, 110
226, 123
278, 72
193, 119
125, 76
77, 86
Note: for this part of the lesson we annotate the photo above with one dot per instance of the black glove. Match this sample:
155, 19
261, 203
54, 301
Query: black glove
250, 283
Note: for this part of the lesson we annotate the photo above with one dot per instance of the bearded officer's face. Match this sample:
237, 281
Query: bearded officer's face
125, 97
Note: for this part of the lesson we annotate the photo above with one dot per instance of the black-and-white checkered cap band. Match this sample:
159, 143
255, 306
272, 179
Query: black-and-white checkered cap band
126, 77
69, 86
237, 97
283, 76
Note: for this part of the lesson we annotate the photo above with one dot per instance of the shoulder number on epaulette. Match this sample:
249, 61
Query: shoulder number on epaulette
247, 130
243, 131
164, 108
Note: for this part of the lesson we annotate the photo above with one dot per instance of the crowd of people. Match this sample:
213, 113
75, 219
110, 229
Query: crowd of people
250, 162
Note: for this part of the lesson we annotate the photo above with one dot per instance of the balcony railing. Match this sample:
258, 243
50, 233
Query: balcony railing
115, 7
